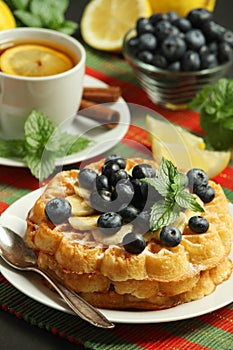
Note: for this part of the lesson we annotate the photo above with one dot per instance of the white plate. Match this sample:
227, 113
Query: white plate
102, 138
31, 285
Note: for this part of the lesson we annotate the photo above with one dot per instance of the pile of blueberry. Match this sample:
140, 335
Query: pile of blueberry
121, 198
190, 43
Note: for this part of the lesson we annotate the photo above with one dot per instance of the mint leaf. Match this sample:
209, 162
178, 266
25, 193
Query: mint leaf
162, 214
170, 183
215, 104
42, 145
78, 145
164, 180
186, 200
40, 167
38, 128
42, 14
20, 4
200, 99
63, 144
68, 27
28, 19
12, 148
161, 186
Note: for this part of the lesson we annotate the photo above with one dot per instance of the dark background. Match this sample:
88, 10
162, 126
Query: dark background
17, 334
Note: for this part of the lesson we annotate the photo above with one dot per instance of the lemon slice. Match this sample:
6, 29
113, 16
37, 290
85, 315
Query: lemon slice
212, 162
171, 133
105, 22
34, 61
7, 20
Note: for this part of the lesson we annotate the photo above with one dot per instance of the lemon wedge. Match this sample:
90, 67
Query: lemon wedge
171, 133
105, 22
182, 7
184, 149
7, 20
34, 60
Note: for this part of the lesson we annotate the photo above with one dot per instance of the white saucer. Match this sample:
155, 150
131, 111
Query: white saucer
102, 139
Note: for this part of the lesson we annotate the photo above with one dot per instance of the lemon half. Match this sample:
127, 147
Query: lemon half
105, 22
182, 7
7, 20
34, 60
184, 149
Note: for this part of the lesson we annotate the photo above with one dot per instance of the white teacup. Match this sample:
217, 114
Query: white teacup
56, 95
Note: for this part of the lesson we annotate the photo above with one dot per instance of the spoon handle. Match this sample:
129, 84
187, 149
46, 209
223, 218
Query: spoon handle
81, 307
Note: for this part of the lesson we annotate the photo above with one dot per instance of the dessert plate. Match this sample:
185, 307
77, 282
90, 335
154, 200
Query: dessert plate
102, 138
32, 285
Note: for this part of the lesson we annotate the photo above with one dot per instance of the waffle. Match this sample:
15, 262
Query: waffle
107, 275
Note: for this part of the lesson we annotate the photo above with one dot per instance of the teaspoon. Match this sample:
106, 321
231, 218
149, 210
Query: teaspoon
14, 252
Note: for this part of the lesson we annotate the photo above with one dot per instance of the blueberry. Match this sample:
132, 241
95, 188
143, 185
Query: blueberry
228, 37
143, 25
174, 66
209, 61
205, 193
198, 224
158, 17
170, 236
145, 56
196, 177
102, 183
159, 61
133, 243
173, 47
225, 52
87, 178
183, 24
129, 213
165, 28
124, 192
57, 210
190, 61
147, 41
213, 47
212, 31
199, 16
100, 200
109, 168
172, 16
119, 175
204, 51
140, 193
114, 158
144, 170
109, 223
195, 39
133, 44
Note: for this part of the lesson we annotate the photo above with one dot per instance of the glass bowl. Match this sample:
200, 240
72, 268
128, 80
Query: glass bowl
172, 90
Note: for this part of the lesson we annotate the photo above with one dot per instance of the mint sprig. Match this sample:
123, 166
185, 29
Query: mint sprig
42, 145
43, 14
170, 184
215, 105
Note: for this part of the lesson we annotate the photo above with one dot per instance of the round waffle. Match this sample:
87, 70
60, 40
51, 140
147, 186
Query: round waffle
110, 277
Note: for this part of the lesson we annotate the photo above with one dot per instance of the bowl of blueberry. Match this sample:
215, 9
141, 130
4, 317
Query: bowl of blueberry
174, 57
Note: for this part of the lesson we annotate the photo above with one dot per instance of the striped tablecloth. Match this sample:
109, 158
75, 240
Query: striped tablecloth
210, 331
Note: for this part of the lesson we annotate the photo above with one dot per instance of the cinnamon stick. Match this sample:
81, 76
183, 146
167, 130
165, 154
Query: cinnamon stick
102, 114
102, 94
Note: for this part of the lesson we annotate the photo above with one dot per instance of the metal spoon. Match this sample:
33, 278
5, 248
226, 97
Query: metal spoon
14, 252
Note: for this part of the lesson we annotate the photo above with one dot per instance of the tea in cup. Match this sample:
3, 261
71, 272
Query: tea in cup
40, 69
